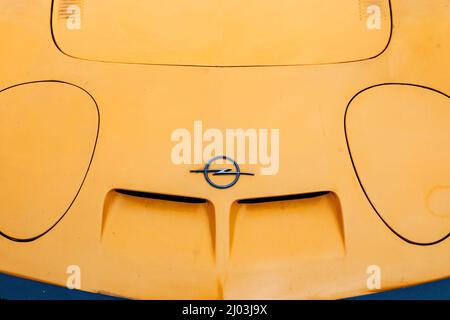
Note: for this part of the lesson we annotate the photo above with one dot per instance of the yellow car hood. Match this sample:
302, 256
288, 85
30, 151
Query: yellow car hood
87, 123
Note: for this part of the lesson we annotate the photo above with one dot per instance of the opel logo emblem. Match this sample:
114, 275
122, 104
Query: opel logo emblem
209, 173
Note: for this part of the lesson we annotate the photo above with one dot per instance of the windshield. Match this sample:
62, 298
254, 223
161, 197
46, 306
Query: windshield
222, 32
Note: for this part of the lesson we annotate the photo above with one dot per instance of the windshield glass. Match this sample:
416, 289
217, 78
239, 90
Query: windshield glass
222, 32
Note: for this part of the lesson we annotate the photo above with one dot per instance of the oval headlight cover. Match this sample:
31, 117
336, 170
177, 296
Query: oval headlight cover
48, 134
399, 137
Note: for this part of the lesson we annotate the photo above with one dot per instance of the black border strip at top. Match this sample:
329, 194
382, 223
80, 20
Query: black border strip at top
356, 171
87, 170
